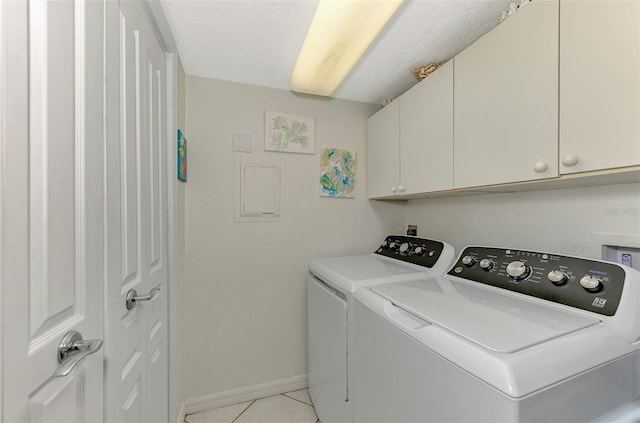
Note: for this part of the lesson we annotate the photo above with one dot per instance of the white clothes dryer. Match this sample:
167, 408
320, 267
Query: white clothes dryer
331, 283
505, 336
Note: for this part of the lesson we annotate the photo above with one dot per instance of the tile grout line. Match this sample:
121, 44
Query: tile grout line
296, 399
243, 411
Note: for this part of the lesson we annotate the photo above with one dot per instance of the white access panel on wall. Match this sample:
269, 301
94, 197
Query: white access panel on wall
259, 190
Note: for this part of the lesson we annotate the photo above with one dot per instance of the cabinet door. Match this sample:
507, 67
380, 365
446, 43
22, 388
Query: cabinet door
506, 101
426, 134
383, 152
599, 84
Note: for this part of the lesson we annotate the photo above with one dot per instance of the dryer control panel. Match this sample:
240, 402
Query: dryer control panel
590, 285
420, 251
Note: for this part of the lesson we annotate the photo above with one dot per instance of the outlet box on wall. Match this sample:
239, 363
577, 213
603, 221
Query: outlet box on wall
618, 248
242, 143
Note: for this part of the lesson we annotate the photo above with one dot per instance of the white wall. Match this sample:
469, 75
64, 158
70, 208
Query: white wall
559, 221
244, 317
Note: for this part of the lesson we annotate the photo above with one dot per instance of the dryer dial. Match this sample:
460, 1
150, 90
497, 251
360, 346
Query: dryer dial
404, 248
468, 261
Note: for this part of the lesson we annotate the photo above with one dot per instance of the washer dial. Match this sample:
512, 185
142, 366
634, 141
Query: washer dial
591, 283
487, 264
557, 277
518, 270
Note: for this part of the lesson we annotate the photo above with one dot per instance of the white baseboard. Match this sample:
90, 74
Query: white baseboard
249, 393
182, 413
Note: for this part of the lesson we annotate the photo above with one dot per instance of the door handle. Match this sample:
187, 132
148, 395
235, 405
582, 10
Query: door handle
72, 349
133, 298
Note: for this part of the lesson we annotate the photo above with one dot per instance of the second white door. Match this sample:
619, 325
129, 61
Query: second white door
137, 243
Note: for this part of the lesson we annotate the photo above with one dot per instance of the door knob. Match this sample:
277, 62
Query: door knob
72, 349
133, 298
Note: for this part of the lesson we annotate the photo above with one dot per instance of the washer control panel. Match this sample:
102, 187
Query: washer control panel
420, 251
577, 282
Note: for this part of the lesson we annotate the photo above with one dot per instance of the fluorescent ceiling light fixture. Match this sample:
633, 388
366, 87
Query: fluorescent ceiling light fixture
340, 32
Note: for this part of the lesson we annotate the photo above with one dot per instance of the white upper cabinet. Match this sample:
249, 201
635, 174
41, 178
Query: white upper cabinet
599, 84
410, 145
426, 134
506, 101
383, 152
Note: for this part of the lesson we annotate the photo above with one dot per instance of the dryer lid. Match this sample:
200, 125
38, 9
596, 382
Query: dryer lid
501, 322
353, 272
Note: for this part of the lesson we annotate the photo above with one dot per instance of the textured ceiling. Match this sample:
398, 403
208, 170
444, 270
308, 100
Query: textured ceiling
257, 41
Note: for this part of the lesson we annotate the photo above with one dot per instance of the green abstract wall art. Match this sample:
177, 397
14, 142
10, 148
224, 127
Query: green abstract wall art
289, 133
338, 173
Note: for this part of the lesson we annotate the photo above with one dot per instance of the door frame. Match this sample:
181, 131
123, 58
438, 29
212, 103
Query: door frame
14, 141
163, 33
13, 86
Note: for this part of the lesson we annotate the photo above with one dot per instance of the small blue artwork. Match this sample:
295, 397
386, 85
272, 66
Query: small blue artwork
182, 156
337, 173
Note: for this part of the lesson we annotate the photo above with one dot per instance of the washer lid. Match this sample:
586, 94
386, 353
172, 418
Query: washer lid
501, 322
353, 272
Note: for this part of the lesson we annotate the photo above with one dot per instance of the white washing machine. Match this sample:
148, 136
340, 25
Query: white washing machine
331, 283
505, 336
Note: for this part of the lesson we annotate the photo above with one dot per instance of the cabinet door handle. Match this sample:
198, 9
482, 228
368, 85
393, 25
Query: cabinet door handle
570, 160
540, 167
401, 188
393, 189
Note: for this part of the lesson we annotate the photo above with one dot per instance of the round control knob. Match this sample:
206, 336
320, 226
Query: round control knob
486, 264
518, 270
468, 261
404, 247
420, 251
393, 246
591, 283
557, 277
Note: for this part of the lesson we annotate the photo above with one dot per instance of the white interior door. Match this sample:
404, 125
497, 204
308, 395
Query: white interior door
52, 208
137, 366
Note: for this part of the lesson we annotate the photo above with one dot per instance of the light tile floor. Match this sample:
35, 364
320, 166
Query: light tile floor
292, 407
